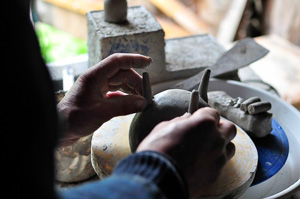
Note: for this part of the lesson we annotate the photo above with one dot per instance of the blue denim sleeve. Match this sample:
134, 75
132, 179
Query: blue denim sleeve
115, 187
144, 175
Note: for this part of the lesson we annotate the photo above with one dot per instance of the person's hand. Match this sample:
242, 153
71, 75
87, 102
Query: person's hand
89, 103
199, 143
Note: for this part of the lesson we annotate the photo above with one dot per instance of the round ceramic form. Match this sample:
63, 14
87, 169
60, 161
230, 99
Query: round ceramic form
110, 144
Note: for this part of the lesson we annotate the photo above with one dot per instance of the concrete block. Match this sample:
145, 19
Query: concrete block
140, 34
186, 56
173, 59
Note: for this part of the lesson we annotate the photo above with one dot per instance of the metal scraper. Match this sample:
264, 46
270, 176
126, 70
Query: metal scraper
243, 53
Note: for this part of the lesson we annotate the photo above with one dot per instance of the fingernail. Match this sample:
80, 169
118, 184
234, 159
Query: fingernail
150, 61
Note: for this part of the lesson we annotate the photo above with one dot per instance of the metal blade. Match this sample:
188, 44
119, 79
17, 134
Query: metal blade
243, 53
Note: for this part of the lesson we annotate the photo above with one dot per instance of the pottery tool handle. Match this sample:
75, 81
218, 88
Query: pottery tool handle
259, 107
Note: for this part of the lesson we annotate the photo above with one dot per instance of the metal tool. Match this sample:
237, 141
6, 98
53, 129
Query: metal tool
243, 53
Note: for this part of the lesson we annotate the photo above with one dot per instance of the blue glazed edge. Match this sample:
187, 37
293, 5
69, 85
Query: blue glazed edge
265, 155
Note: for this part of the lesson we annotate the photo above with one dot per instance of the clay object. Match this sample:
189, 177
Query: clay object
73, 163
164, 106
115, 11
246, 103
251, 115
193, 106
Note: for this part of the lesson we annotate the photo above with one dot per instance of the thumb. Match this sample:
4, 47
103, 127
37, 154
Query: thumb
127, 104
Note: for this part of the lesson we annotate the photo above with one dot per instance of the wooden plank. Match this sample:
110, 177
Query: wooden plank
229, 25
182, 15
171, 29
61, 18
283, 18
78, 6
69, 16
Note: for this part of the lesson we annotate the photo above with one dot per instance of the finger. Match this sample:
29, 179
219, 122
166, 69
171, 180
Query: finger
179, 118
129, 77
207, 114
230, 150
124, 88
186, 115
124, 105
112, 64
227, 130
176, 119
203, 120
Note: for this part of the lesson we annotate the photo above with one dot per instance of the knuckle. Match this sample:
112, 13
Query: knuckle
115, 57
173, 126
221, 162
209, 122
230, 149
161, 124
209, 110
232, 130
229, 129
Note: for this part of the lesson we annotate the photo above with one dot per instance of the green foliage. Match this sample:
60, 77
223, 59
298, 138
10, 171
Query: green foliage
57, 45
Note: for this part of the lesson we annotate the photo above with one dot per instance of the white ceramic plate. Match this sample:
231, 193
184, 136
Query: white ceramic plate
287, 180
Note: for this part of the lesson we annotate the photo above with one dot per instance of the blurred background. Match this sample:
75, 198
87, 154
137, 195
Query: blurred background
61, 27
64, 21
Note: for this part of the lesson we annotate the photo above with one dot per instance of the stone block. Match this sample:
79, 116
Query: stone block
186, 56
173, 59
141, 33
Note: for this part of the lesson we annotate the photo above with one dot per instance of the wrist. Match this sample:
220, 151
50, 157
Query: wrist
66, 136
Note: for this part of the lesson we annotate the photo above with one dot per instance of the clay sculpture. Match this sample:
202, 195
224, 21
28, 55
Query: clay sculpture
164, 106
115, 11
251, 115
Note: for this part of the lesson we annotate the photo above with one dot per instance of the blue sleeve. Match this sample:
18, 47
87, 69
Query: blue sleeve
144, 175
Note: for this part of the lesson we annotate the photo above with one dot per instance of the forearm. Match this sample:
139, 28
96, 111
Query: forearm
142, 175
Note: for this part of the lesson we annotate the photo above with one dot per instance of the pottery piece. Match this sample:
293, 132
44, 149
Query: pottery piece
115, 11
257, 123
164, 106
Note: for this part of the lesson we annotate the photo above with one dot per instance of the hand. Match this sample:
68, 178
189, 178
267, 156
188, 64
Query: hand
199, 143
88, 104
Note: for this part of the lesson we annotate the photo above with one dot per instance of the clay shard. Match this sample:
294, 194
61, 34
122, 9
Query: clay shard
204, 85
193, 106
259, 107
256, 125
